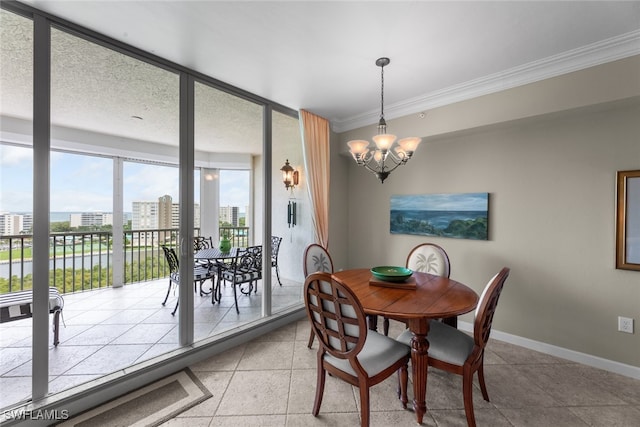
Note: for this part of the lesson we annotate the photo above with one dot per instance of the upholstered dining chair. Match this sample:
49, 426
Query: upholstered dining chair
316, 258
454, 351
428, 258
347, 349
200, 275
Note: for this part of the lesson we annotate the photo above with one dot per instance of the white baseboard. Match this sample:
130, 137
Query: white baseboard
574, 356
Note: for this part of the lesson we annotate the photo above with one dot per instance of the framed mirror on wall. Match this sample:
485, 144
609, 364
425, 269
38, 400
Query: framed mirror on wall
628, 220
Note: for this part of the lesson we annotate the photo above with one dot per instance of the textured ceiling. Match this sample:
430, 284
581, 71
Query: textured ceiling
314, 55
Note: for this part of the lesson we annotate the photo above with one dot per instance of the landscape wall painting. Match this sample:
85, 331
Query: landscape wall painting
461, 216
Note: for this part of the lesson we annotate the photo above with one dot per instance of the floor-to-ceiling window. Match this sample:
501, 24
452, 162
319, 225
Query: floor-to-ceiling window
116, 106
289, 211
16, 198
228, 147
115, 161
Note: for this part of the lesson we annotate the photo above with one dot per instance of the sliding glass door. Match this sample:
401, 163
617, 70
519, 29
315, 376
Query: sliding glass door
16, 199
121, 146
115, 107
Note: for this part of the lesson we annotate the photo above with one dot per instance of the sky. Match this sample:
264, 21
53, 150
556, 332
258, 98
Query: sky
441, 202
84, 183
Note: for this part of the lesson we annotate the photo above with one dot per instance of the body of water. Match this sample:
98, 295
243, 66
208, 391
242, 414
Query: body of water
438, 219
70, 261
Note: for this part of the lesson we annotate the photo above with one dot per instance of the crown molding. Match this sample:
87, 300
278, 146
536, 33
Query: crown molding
598, 53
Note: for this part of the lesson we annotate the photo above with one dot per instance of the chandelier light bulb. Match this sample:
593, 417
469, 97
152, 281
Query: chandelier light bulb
410, 144
384, 141
358, 146
378, 156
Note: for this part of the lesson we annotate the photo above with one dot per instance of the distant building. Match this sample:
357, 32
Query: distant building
144, 215
11, 224
27, 223
89, 219
229, 214
163, 214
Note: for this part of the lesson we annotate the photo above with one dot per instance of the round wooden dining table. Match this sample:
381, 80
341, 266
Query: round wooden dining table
433, 297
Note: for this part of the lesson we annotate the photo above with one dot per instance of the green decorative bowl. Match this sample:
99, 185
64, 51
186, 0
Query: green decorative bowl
391, 274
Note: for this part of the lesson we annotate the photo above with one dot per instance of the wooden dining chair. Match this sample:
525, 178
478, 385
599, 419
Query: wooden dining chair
316, 258
200, 275
428, 258
347, 349
454, 351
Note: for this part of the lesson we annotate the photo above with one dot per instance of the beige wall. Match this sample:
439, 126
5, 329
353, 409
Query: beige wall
549, 165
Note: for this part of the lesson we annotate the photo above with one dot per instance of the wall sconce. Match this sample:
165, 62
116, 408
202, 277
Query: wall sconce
290, 176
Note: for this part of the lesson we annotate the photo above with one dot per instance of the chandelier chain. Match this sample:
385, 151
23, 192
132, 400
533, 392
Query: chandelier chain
382, 92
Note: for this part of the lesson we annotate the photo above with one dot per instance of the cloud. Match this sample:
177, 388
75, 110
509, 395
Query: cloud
82, 183
15, 156
441, 202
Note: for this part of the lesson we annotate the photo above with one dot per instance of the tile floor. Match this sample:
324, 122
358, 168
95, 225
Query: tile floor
110, 329
271, 382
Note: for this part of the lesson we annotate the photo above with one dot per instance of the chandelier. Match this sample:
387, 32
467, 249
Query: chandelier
388, 154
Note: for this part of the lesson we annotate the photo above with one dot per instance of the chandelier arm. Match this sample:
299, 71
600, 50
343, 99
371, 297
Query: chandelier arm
398, 157
394, 167
368, 168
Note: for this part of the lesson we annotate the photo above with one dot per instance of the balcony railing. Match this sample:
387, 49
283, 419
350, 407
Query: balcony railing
82, 261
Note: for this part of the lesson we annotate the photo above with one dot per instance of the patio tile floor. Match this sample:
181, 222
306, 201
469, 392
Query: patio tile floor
109, 329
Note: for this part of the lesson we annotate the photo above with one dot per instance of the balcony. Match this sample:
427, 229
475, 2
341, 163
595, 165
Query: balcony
107, 329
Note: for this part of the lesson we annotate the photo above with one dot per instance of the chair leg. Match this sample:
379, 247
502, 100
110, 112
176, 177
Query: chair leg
278, 274
235, 297
403, 379
173, 313
451, 321
168, 291
319, 389
385, 327
311, 338
467, 392
167, 296
56, 327
483, 386
372, 321
364, 405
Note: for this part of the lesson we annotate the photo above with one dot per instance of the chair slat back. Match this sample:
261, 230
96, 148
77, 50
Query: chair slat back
429, 258
172, 258
336, 315
200, 242
487, 307
317, 258
248, 260
275, 247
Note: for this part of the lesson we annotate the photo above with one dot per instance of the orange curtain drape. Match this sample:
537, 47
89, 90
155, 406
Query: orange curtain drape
315, 146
